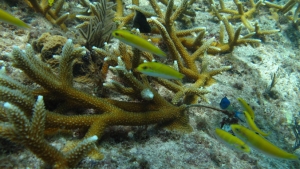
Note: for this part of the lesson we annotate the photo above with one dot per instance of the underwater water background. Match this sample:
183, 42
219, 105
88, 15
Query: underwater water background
253, 68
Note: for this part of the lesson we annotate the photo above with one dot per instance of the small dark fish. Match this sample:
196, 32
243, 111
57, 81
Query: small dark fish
224, 103
140, 22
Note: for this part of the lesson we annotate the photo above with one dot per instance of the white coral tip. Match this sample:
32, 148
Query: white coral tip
69, 41
7, 105
40, 98
147, 94
93, 138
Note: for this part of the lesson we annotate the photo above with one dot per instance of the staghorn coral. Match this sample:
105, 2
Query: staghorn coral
243, 16
58, 86
112, 112
194, 43
186, 62
283, 9
51, 12
30, 132
240, 13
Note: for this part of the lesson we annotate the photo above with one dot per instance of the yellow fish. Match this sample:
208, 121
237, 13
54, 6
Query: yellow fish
50, 2
156, 69
8, 18
137, 42
260, 143
247, 107
252, 125
231, 140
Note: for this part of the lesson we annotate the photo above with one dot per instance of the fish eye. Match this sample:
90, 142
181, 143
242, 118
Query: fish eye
242, 147
117, 34
145, 67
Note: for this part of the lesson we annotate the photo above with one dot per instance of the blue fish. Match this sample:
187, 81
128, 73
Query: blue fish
224, 103
239, 115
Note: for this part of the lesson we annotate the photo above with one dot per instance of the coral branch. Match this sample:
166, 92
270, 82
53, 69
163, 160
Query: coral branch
50, 12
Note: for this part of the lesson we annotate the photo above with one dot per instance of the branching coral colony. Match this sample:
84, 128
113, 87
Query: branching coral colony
50, 11
25, 120
286, 8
